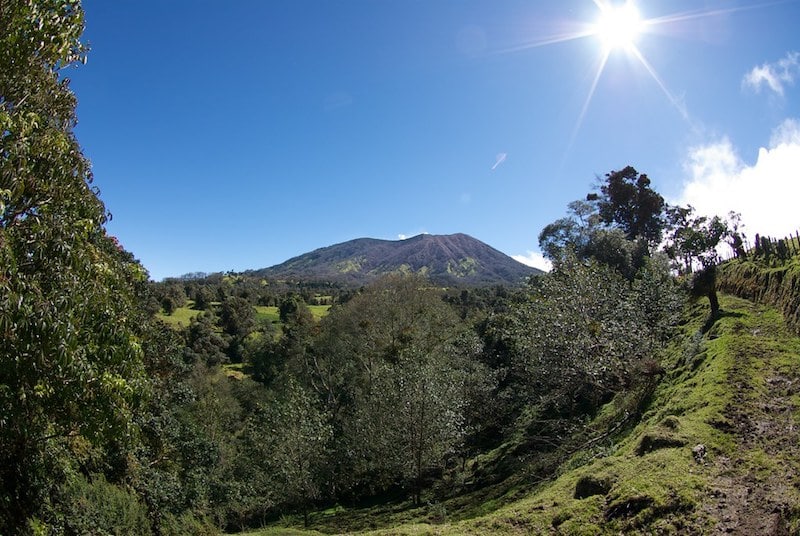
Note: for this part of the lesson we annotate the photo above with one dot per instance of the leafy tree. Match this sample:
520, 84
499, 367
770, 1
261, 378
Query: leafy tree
203, 297
267, 358
390, 368
298, 447
71, 369
584, 332
581, 234
570, 234
203, 343
627, 200
237, 318
171, 295
298, 325
612, 248
693, 244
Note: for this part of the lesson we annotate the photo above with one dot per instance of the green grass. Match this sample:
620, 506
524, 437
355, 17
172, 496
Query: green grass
659, 491
268, 313
271, 314
318, 311
181, 316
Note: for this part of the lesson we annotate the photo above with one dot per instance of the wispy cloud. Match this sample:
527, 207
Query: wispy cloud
776, 75
499, 159
535, 259
403, 236
765, 193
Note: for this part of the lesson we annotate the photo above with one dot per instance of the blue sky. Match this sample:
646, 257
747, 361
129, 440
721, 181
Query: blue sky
235, 135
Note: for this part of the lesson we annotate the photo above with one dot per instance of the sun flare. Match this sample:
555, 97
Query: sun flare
618, 26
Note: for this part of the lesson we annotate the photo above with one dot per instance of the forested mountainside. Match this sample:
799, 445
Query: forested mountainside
456, 259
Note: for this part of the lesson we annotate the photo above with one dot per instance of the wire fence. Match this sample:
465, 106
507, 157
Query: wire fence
766, 248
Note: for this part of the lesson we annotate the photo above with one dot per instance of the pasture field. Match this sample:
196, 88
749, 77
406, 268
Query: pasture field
268, 313
181, 316
318, 311
271, 313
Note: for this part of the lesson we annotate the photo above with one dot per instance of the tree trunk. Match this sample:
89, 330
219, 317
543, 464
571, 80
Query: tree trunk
714, 302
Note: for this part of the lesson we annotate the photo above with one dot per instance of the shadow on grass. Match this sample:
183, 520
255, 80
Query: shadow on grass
713, 318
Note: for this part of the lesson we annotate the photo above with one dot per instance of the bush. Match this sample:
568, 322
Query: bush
95, 506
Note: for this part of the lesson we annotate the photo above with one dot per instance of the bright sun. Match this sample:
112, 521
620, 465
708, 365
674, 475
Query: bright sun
618, 26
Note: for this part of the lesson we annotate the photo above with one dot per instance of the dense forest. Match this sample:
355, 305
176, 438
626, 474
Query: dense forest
114, 421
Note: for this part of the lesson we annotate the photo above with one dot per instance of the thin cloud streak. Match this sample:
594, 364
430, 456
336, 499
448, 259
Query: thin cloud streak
499, 159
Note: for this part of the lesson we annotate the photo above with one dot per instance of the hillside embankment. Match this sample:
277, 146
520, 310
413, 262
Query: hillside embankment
761, 283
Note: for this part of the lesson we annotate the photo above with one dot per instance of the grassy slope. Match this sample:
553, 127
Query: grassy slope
734, 390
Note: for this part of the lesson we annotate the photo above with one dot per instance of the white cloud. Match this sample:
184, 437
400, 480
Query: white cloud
535, 259
499, 159
765, 193
787, 133
403, 236
774, 75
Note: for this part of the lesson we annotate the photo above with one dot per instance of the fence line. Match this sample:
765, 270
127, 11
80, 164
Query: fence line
767, 248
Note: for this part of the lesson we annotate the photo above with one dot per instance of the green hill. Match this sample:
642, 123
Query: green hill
715, 450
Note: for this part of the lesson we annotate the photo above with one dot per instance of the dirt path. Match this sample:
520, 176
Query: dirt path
754, 490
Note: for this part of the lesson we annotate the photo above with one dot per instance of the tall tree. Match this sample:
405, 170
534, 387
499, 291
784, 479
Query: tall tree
390, 367
237, 318
692, 244
570, 234
70, 356
627, 201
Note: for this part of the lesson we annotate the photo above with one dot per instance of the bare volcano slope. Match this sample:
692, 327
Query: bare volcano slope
456, 259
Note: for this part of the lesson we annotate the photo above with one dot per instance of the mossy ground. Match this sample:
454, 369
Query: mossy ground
734, 390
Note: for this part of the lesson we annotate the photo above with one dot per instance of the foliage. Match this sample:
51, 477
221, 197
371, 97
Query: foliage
587, 333
627, 200
94, 506
237, 318
203, 343
297, 447
693, 239
390, 368
710, 380
570, 234
70, 353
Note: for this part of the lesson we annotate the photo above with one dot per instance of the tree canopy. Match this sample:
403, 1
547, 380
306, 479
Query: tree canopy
71, 367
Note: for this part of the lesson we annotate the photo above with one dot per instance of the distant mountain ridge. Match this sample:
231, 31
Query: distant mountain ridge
456, 259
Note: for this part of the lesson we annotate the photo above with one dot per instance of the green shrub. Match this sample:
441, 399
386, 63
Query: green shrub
95, 506
187, 524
